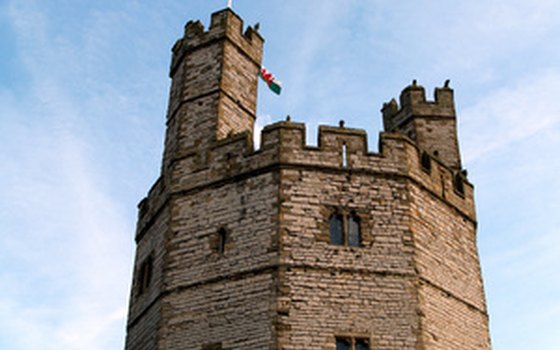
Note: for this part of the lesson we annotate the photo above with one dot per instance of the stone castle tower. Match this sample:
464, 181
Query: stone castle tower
299, 247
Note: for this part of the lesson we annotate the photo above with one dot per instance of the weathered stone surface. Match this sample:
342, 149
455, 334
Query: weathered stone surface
239, 240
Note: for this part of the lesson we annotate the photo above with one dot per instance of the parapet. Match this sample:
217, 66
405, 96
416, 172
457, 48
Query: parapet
224, 25
413, 103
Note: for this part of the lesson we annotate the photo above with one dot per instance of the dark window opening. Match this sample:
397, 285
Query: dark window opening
345, 230
426, 162
351, 343
212, 346
354, 235
145, 275
343, 344
362, 344
458, 184
336, 225
222, 240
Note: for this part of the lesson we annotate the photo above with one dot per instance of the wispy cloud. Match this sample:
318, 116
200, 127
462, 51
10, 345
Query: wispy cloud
511, 113
66, 239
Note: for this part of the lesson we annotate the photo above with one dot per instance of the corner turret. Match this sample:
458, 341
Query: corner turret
431, 124
213, 93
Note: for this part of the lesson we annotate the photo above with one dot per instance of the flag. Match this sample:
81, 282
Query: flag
273, 84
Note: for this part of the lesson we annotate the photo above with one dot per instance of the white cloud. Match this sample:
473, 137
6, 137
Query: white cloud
68, 247
510, 114
67, 242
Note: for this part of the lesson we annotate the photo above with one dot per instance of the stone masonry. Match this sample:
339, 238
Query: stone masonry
233, 244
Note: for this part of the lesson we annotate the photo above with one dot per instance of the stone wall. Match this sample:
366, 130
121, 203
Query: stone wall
332, 290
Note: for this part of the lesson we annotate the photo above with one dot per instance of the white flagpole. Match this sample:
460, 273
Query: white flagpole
229, 3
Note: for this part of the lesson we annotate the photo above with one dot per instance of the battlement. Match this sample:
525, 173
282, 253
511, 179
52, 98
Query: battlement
339, 150
224, 25
413, 102
431, 124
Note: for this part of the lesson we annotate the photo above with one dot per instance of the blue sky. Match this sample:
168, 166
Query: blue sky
83, 94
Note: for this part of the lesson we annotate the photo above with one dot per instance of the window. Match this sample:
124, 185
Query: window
212, 346
145, 274
343, 344
426, 162
362, 344
352, 343
344, 156
458, 184
354, 235
345, 229
222, 240
336, 225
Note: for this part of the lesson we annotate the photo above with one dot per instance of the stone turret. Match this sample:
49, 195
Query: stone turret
213, 93
431, 124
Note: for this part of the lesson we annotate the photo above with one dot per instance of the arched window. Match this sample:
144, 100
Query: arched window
354, 234
426, 162
336, 227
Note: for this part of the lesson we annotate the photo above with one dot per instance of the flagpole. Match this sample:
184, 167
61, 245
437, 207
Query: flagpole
229, 4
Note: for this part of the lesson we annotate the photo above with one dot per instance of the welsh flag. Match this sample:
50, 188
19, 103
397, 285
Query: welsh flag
274, 84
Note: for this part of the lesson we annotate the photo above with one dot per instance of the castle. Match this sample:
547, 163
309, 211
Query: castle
298, 247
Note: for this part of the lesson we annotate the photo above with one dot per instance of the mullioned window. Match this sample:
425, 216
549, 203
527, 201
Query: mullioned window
345, 229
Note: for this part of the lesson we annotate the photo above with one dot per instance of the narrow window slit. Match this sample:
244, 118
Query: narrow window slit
426, 162
458, 184
344, 157
222, 238
145, 274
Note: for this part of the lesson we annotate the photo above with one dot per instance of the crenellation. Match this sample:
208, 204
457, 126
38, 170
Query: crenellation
430, 124
284, 143
333, 138
193, 29
413, 103
413, 96
223, 24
